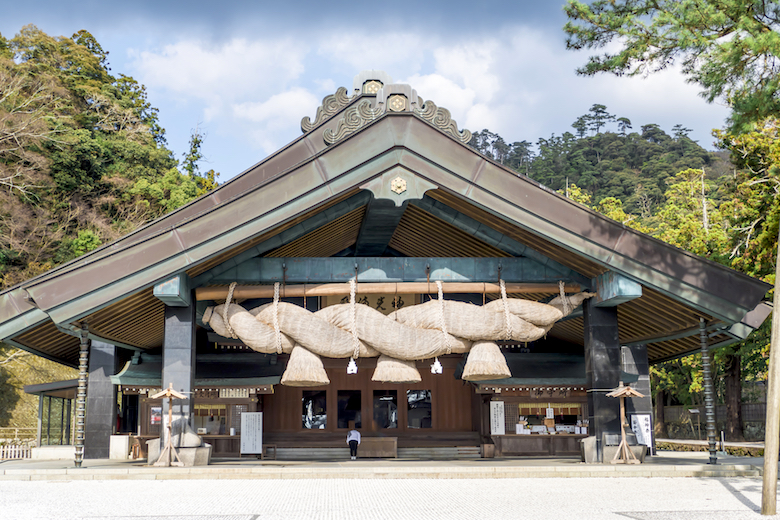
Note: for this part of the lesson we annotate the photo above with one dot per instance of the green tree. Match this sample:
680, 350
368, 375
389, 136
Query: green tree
598, 117
77, 146
581, 126
692, 220
204, 182
520, 157
624, 124
193, 155
680, 132
753, 206
728, 47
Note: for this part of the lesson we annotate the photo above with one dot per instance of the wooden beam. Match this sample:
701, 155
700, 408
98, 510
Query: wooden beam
339, 289
772, 427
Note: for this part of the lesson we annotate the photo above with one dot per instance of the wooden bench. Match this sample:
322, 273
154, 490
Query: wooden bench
378, 447
267, 448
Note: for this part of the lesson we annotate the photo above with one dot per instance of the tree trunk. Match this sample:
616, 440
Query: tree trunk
659, 428
733, 398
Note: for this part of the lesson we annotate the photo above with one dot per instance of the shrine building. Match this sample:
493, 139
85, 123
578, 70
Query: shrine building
385, 259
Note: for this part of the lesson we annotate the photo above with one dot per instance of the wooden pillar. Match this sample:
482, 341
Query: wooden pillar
772, 429
602, 370
179, 364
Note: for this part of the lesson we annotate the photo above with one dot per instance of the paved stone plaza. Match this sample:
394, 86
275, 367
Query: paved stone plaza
402, 499
671, 485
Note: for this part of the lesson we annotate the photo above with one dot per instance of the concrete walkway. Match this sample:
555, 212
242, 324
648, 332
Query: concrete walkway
665, 464
392, 499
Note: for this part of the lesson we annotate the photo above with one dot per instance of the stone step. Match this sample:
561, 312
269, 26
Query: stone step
441, 452
312, 453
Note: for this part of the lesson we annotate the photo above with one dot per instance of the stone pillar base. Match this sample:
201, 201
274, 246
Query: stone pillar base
200, 456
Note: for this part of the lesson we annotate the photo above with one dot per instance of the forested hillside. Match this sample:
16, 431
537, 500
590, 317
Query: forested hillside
606, 159
82, 155
83, 160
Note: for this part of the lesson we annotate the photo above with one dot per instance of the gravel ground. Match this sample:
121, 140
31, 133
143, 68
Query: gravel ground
553, 498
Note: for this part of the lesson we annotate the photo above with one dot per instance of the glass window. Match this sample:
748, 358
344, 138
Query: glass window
419, 408
349, 403
386, 408
55, 421
235, 415
314, 410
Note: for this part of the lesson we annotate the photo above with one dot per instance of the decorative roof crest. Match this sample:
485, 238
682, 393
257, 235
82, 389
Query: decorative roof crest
370, 81
330, 106
355, 117
392, 97
442, 119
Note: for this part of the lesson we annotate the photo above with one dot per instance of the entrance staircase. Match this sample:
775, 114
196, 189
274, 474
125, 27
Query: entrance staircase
424, 453
440, 452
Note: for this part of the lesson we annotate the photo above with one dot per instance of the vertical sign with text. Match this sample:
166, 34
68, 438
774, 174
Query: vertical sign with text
642, 426
497, 425
251, 433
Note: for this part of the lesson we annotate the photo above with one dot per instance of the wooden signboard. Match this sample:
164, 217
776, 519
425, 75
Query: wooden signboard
252, 433
642, 426
497, 425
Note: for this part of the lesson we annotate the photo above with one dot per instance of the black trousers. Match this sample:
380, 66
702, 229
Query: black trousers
353, 448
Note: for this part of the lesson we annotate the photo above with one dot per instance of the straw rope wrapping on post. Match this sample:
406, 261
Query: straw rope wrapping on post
485, 361
409, 334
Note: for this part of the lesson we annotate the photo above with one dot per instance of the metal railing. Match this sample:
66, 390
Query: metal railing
9, 435
750, 412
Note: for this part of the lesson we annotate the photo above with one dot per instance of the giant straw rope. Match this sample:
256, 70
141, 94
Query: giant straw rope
413, 333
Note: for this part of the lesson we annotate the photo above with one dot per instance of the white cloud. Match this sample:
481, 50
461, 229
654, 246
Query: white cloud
522, 83
274, 116
244, 89
517, 81
388, 51
236, 70
444, 92
473, 65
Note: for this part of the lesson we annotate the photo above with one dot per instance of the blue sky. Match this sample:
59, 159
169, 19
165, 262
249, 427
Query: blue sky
245, 73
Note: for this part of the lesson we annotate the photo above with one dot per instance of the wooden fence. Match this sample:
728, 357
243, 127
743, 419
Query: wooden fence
15, 451
17, 443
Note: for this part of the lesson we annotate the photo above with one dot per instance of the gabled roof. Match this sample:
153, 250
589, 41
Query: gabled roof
311, 197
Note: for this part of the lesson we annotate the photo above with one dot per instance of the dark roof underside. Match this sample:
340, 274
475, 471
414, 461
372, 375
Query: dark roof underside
137, 320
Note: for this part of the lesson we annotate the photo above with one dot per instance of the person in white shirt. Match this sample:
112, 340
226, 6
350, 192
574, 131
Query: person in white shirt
353, 439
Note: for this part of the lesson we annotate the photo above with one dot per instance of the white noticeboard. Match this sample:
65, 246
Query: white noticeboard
497, 425
251, 433
642, 426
